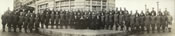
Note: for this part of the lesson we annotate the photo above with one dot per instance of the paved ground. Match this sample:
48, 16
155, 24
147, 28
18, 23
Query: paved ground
134, 34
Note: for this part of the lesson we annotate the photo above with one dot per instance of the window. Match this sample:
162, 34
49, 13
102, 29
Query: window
104, 0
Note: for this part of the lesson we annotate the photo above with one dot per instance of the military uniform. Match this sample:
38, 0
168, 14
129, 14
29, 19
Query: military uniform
42, 19
21, 20
116, 20
52, 19
102, 20
163, 22
57, 17
15, 21
62, 19
111, 20
153, 15
47, 19
158, 21
127, 20
4, 21
142, 19
31, 22
147, 22
132, 22
36, 22
9, 22
26, 22
121, 21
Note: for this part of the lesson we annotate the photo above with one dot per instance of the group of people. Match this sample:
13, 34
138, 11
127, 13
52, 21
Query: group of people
119, 19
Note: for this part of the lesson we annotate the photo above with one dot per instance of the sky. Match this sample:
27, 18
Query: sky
129, 4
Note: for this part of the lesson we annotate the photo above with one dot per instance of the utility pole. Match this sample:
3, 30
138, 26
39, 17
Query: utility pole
157, 6
145, 7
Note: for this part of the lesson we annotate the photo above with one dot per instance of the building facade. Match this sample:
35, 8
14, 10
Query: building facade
70, 4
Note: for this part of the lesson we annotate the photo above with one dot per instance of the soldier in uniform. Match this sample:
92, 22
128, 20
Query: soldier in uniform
137, 21
116, 19
42, 19
121, 19
142, 19
111, 19
92, 26
31, 22
57, 17
36, 22
21, 20
158, 20
147, 21
9, 21
98, 25
52, 18
62, 19
74, 19
102, 20
47, 18
163, 22
71, 19
153, 14
26, 17
15, 16
106, 20
126, 18
169, 19
132, 22
89, 19
4, 20
78, 24
66, 16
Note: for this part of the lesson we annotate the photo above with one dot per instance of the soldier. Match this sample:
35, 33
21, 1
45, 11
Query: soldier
169, 19
42, 19
26, 17
136, 21
15, 23
132, 21
66, 20
158, 20
102, 20
21, 20
78, 19
111, 19
92, 19
47, 18
81, 19
89, 19
126, 18
9, 21
31, 22
153, 14
4, 20
106, 20
98, 20
121, 19
57, 17
61, 19
75, 19
71, 19
116, 19
147, 21
36, 22
142, 19
52, 18
163, 22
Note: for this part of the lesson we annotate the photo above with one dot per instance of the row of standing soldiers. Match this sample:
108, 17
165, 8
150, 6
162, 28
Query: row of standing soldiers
110, 20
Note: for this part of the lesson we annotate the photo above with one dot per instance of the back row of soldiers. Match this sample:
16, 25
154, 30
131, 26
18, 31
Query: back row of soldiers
88, 20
